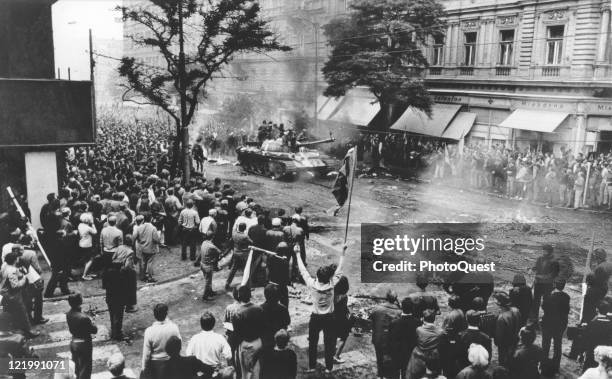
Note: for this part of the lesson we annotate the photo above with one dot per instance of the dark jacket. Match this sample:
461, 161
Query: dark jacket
115, 282
381, 317
279, 364
80, 325
187, 368
248, 322
556, 307
507, 328
524, 363
276, 317
403, 338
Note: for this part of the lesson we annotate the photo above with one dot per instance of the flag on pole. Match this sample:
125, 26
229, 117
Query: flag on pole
344, 179
247, 269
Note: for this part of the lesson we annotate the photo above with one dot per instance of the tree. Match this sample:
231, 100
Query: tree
216, 30
379, 45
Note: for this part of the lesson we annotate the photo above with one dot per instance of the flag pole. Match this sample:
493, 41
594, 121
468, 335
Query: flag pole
350, 196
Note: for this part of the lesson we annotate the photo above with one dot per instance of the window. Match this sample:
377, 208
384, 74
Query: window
554, 44
437, 58
470, 49
506, 47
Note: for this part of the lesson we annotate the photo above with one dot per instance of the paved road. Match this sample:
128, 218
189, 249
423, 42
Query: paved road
380, 200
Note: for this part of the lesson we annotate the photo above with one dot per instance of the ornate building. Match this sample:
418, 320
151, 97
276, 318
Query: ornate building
533, 72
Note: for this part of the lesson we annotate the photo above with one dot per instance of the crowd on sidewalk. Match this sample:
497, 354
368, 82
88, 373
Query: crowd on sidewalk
555, 179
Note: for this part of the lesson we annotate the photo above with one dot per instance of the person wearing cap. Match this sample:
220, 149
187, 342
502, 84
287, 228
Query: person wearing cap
507, 327
556, 308
188, 223
115, 365
546, 270
146, 239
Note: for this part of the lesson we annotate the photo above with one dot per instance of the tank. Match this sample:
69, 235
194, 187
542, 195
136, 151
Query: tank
276, 160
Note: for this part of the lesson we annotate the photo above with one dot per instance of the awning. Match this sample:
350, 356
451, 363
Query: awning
537, 121
356, 110
460, 126
327, 106
416, 121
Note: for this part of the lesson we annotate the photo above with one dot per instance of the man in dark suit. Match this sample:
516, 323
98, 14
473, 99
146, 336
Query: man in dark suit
81, 328
598, 331
115, 283
473, 335
381, 317
402, 337
556, 307
507, 328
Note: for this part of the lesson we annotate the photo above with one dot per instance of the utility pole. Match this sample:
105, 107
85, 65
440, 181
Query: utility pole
316, 75
92, 65
183, 99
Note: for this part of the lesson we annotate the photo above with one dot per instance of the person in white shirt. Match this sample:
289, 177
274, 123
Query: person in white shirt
210, 347
322, 317
86, 230
246, 218
154, 356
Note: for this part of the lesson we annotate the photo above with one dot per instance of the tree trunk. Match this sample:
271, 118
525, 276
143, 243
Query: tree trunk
186, 158
388, 115
176, 152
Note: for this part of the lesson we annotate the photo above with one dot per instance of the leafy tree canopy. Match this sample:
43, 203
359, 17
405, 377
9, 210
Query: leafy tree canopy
379, 45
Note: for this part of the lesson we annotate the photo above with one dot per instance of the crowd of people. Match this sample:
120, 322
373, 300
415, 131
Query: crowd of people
119, 205
563, 179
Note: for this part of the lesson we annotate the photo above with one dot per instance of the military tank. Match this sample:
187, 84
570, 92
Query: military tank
275, 159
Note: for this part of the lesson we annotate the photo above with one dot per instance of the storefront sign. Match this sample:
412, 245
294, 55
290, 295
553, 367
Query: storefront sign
544, 105
447, 99
600, 109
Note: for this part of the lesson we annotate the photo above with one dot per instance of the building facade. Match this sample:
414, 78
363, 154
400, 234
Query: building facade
535, 73
532, 73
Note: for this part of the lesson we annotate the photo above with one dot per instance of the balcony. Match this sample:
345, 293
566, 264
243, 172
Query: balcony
46, 112
466, 71
551, 71
435, 71
503, 71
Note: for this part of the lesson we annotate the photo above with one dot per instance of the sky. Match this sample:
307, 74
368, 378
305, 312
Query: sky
71, 21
